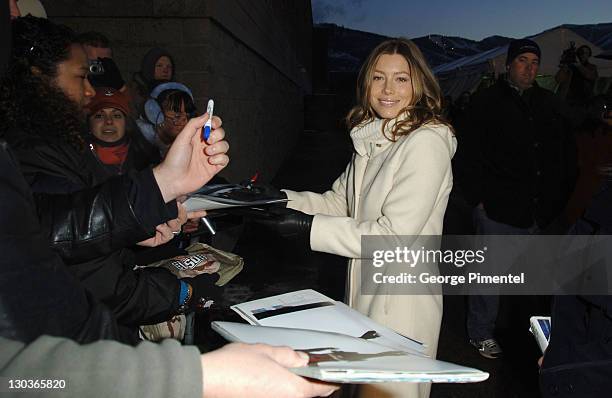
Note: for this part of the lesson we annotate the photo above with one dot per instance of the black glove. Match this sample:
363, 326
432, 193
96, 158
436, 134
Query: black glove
111, 76
288, 223
204, 291
267, 190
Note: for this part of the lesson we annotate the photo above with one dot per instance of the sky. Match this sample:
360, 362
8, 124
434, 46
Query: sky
470, 19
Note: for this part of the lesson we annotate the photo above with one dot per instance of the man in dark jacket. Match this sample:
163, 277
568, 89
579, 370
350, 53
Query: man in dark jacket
516, 166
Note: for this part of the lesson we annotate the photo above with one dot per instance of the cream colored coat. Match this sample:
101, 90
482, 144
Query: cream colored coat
388, 188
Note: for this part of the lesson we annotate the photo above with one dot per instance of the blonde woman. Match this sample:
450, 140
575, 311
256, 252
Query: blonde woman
397, 183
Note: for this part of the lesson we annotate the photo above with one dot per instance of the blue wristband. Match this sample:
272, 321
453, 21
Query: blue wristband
184, 293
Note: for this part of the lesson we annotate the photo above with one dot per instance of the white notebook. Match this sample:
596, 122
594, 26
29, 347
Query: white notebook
311, 310
339, 358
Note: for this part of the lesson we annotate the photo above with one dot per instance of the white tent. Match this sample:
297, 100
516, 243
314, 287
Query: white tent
465, 73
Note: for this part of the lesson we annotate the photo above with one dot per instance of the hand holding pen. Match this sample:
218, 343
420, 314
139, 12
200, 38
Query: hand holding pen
191, 162
206, 135
208, 125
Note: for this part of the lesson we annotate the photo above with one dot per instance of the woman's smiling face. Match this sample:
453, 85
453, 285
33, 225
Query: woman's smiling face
107, 124
391, 87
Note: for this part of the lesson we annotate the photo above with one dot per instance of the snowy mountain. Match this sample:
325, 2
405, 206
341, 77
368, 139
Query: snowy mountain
598, 34
348, 48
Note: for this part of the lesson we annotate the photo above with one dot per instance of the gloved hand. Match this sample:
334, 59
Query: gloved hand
268, 191
288, 223
204, 291
111, 76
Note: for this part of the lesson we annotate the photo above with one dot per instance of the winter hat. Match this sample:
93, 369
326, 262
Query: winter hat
147, 66
109, 98
520, 46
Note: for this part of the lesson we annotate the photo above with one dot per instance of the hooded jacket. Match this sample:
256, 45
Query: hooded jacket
147, 66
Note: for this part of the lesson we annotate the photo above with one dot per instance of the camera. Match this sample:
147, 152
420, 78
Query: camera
568, 56
96, 68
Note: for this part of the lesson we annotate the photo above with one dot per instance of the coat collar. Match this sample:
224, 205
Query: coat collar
369, 140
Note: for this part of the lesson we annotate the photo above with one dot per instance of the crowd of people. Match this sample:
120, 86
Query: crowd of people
71, 208
94, 167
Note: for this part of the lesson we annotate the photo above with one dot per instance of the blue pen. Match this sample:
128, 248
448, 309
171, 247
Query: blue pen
208, 124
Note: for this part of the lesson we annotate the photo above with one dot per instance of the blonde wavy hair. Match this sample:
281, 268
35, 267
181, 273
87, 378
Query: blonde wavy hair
426, 104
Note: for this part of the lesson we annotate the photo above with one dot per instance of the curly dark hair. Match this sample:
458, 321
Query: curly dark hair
29, 99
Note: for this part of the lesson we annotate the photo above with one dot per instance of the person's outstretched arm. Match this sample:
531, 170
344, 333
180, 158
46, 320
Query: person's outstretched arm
127, 209
109, 369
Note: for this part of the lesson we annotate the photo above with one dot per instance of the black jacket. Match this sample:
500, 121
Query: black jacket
516, 155
37, 294
91, 227
578, 361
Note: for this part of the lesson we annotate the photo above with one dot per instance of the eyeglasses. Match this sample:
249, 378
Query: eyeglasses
177, 118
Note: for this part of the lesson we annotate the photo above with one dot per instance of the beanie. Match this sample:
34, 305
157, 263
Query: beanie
520, 46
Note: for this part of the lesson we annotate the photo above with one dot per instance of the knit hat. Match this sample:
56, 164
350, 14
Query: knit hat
109, 98
521, 46
147, 66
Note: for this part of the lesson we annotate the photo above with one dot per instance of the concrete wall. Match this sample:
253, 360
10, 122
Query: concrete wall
252, 57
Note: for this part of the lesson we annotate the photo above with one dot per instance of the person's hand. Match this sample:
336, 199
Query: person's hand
191, 225
268, 191
193, 221
193, 217
288, 223
191, 162
258, 371
165, 232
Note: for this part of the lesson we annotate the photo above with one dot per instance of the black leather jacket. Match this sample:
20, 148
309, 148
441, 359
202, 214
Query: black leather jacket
37, 294
89, 222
